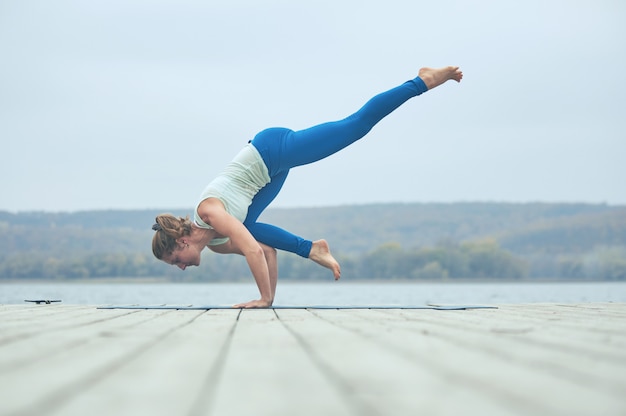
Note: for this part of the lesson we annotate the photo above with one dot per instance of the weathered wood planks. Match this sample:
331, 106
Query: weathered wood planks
530, 359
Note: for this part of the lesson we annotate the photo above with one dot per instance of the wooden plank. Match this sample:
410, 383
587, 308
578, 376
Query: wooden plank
46, 339
16, 315
541, 347
47, 319
380, 379
596, 339
176, 375
267, 372
531, 359
106, 346
589, 319
484, 364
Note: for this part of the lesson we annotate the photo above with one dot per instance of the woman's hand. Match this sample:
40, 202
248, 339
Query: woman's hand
254, 304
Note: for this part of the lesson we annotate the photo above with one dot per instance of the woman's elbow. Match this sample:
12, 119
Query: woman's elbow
268, 251
255, 251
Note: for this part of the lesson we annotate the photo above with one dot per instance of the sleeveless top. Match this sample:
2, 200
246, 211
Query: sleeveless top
235, 187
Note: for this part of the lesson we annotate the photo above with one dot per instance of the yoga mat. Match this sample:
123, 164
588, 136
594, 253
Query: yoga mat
209, 307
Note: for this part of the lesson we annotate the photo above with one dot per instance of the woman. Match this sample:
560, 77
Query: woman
225, 219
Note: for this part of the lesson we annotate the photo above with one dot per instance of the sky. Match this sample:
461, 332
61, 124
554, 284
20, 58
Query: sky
138, 104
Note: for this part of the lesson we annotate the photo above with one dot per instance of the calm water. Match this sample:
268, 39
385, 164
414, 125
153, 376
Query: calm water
331, 293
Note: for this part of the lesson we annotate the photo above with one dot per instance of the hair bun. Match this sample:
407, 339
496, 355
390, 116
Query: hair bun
157, 227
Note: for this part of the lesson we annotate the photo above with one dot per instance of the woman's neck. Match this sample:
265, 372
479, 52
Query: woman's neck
201, 236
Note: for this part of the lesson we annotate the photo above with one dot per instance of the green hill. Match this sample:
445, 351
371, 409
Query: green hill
480, 240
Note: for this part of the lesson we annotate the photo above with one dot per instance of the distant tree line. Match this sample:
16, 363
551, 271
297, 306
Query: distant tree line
475, 260
419, 241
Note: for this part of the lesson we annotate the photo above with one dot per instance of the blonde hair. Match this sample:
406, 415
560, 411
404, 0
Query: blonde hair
168, 229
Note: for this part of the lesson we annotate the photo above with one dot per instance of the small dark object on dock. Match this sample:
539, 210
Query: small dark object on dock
46, 301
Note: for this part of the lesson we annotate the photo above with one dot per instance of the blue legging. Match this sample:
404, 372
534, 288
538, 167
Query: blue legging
283, 149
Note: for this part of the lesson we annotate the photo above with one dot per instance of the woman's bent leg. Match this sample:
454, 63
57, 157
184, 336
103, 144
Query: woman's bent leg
280, 239
269, 234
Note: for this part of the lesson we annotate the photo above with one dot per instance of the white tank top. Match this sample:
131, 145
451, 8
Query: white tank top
235, 187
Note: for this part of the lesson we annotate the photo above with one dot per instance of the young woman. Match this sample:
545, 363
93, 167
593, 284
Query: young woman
225, 219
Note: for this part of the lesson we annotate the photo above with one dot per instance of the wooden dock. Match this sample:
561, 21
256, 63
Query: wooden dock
535, 359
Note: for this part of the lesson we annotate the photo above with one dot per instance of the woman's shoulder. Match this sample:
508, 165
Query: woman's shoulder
208, 209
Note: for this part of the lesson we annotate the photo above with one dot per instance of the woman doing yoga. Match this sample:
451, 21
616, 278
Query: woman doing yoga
225, 219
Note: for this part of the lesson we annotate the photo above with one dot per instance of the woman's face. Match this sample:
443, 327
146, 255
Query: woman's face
183, 256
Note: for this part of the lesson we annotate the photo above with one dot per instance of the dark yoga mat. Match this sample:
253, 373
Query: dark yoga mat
208, 307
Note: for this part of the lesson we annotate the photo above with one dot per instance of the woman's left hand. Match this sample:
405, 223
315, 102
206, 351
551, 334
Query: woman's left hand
260, 303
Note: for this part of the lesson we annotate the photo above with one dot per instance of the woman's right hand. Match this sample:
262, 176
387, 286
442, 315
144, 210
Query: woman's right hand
260, 303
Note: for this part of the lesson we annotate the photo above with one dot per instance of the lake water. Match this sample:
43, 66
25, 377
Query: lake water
330, 293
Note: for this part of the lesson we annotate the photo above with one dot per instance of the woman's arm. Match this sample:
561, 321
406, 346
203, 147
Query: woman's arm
272, 266
212, 212
270, 258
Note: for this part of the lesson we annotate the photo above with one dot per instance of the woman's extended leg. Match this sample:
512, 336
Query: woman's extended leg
283, 149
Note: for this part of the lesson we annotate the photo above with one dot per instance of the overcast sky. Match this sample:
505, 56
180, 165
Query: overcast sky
130, 104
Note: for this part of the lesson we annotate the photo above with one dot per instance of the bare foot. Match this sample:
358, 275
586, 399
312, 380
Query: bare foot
320, 254
435, 77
